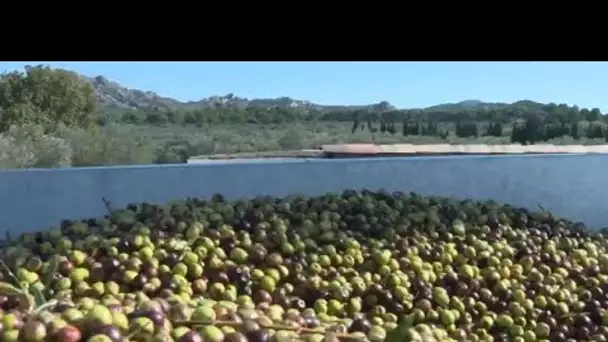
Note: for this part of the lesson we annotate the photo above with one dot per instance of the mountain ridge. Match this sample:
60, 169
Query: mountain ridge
112, 95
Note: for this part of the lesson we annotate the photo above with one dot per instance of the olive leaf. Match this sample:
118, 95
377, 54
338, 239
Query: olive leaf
16, 282
50, 304
49, 272
107, 205
29, 298
39, 298
27, 302
7, 289
545, 211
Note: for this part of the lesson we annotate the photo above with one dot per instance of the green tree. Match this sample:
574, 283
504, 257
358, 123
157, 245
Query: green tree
518, 135
533, 129
575, 132
45, 96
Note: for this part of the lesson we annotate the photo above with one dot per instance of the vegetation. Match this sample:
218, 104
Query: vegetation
49, 118
42, 96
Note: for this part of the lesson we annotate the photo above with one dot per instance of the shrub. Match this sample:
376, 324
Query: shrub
31, 147
112, 145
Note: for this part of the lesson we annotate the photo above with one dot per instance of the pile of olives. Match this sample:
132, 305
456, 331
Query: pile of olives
357, 266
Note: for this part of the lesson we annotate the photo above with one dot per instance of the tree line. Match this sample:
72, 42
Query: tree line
524, 131
506, 114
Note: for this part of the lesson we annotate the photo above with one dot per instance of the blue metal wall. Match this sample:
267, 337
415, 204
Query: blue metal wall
570, 185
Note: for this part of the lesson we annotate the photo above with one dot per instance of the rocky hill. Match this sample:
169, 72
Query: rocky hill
112, 95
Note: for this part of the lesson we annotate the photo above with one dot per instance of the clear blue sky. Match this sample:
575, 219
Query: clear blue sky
404, 84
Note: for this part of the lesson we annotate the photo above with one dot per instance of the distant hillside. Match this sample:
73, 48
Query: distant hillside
111, 94
146, 106
466, 105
